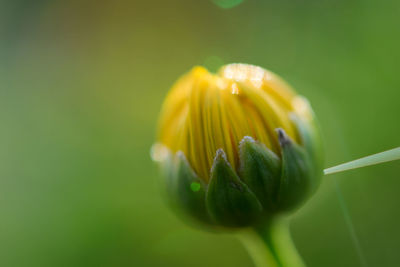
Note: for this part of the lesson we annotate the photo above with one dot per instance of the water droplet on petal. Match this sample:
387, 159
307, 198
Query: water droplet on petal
159, 152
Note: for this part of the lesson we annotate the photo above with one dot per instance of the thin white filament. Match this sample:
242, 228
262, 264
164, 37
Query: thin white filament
350, 225
388, 155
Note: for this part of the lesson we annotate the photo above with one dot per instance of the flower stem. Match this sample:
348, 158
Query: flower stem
270, 245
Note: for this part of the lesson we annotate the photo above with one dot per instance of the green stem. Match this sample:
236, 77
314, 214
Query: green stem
270, 245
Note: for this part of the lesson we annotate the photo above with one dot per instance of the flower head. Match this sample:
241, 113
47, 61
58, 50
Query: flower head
243, 129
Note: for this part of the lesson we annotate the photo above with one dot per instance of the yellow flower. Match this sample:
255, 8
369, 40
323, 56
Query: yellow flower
239, 149
205, 112
238, 146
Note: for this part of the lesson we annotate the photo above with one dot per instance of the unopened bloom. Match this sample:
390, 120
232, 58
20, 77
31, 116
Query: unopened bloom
237, 146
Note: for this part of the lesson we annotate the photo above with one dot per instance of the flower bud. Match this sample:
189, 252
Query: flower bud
237, 147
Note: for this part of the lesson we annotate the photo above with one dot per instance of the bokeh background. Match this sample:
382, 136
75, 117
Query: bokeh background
81, 84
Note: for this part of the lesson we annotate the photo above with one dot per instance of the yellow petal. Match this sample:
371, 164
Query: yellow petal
204, 112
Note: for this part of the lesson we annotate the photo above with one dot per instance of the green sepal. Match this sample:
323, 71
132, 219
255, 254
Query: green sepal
260, 169
190, 190
229, 201
167, 163
295, 183
310, 139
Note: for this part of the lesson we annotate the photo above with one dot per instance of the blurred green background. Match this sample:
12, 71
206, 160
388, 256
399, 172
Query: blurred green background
81, 84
